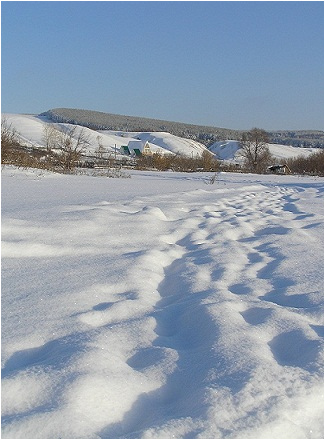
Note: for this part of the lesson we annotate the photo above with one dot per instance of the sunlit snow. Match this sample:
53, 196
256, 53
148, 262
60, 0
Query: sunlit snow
161, 306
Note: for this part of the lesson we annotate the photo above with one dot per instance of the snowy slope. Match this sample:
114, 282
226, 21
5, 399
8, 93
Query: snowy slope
161, 306
174, 144
287, 151
31, 132
30, 128
225, 150
165, 142
229, 149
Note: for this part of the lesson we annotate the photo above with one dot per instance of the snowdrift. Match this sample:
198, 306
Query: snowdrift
162, 306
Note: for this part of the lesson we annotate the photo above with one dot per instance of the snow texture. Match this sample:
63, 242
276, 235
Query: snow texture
162, 306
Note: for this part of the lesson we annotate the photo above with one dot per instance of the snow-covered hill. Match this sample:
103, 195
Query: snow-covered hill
225, 150
228, 150
161, 306
30, 129
167, 142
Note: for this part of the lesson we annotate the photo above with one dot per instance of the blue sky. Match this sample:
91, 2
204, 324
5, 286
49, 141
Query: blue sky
228, 64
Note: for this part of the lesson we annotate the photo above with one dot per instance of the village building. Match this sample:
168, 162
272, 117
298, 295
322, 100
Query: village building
279, 169
137, 148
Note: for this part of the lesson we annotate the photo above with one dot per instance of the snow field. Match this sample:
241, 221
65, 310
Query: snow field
184, 310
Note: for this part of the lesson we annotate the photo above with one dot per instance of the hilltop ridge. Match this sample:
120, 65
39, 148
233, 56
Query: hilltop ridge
110, 121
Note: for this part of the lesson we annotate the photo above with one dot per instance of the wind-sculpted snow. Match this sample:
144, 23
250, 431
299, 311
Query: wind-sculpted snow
161, 306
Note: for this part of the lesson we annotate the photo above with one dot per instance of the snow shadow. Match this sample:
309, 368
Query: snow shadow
298, 301
185, 348
55, 355
257, 315
294, 349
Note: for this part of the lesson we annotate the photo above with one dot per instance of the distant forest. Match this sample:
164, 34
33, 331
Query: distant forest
207, 135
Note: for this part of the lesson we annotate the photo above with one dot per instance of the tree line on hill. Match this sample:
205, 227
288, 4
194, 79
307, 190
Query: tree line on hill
108, 121
207, 135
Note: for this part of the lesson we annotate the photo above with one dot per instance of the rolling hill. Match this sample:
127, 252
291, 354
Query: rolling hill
30, 130
206, 135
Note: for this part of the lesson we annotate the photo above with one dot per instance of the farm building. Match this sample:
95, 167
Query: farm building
279, 169
137, 148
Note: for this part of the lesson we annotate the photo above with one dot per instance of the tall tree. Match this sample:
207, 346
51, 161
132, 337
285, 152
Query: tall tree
255, 150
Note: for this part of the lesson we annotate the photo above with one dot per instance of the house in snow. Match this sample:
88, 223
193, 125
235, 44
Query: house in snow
279, 169
137, 148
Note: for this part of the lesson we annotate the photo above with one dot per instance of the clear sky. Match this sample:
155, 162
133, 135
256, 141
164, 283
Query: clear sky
229, 64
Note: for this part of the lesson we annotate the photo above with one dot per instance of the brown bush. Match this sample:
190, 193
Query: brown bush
13, 153
160, 162
312, 164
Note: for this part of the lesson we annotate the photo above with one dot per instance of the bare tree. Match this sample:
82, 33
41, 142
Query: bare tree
100, 150
254, 150
312, 164
51, 136
72, 143
10, 145
8, 139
